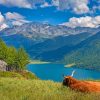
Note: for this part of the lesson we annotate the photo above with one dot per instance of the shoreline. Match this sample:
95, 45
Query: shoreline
38, 62
73, 65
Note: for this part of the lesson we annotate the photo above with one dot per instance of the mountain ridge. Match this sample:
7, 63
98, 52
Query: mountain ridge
87, 54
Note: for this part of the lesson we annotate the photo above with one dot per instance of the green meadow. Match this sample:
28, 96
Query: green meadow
19, 88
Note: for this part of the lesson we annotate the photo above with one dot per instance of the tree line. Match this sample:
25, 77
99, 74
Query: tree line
16, 59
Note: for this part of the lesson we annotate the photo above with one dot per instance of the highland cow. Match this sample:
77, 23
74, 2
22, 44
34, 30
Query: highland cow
81, 86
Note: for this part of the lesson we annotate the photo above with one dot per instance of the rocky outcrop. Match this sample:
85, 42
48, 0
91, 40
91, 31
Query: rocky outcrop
3, 65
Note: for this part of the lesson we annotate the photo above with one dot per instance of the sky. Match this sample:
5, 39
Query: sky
71, 13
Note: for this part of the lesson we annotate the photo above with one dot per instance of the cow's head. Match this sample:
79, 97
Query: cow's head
68, 80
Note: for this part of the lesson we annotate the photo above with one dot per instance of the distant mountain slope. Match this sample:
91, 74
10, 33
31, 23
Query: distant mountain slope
87, 54
61, 46
54, 48
46, 42
18, 40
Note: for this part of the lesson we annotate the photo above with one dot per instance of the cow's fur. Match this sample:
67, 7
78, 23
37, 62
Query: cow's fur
82, 86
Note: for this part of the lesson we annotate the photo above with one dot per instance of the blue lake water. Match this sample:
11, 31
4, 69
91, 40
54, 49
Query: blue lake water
55, 72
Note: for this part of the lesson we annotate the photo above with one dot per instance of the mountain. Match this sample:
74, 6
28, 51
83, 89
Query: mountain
55, 49
44, 41
49, 49
87, 54
18, 40
41, 31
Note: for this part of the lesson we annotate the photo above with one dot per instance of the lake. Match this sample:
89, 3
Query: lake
55, 72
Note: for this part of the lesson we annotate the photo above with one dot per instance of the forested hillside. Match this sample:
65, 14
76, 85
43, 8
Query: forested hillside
87, 54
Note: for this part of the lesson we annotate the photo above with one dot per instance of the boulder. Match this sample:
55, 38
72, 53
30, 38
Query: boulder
3, 65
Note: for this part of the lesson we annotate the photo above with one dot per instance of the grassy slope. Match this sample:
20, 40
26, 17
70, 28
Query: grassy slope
19, 75
22, 89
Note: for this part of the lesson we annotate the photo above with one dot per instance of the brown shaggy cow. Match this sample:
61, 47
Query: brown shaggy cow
82, 86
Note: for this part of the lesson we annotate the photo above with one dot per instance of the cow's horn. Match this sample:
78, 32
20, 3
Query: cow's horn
73, 73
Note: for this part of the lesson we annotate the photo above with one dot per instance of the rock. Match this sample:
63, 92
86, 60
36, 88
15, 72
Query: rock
3, 65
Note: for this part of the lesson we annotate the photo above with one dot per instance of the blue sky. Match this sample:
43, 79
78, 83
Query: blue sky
71, 13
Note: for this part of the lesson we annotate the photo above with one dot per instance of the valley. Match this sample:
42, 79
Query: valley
56, 43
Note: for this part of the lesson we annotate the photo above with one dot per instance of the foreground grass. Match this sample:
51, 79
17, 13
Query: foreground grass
23, 89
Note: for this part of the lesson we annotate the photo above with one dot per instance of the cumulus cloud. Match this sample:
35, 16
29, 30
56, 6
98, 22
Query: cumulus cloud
2, 19
77, 6
16, 3
46, 4
19, 22
2, 22
83, 22
10, 19
21, 3
13, 15
15, 18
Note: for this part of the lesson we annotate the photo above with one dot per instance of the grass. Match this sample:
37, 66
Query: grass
19, 75
23, 89
10, 74
28, 75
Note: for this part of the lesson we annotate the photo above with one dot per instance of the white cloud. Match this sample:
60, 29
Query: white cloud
10, 19
19, 22
2, 22
78, 6
2, 19
16, 3
13, 15
21, 3
81, 9
83, 22
45, 5
15, 18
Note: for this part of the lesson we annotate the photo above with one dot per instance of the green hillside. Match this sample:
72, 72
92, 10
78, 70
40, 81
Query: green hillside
19, 75
21, 89
87, 54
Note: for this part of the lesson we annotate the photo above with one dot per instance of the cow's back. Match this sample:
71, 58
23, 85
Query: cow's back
86, 86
